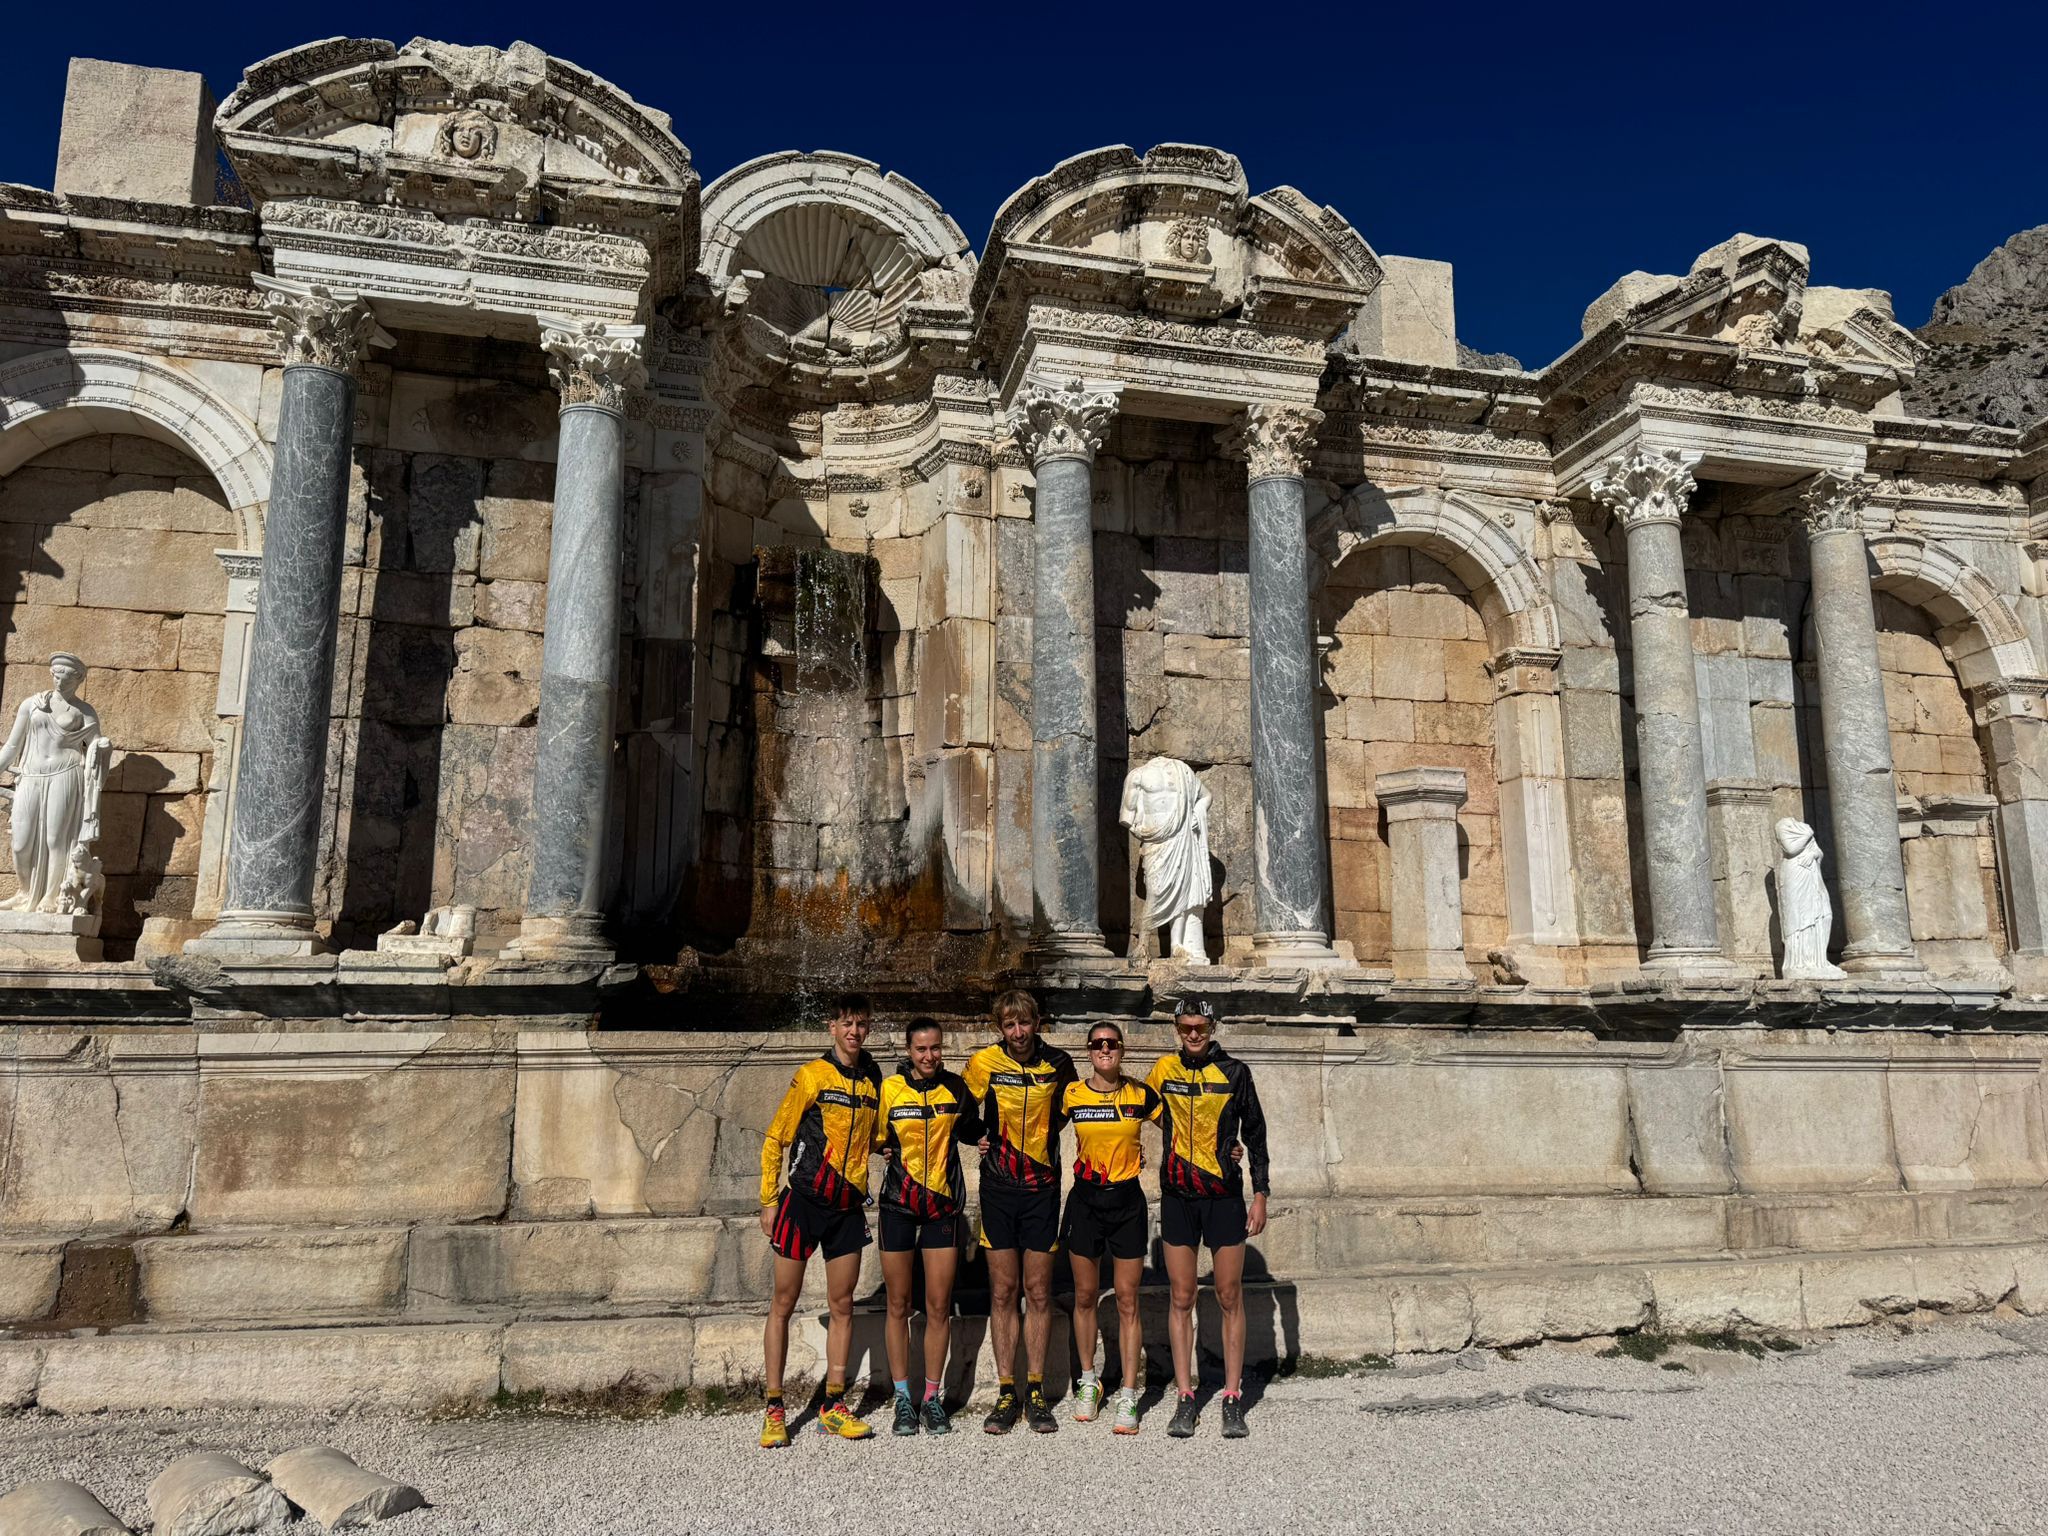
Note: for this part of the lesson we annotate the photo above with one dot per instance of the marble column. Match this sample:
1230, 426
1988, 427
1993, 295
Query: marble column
1059, 426
593, 365
1647, 493
281, 774
2012, 715
1290, 845
1863, 799
1428, 917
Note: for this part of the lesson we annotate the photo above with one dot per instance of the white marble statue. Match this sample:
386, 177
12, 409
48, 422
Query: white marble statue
1805, 915
60, 764
1167, 809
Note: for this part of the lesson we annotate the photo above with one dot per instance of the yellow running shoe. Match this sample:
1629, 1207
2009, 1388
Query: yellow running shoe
837, 1419
774, 1431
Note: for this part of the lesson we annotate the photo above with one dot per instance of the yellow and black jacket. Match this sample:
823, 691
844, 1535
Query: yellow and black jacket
1211, 1105
827, 1124
1017, 1101
924, 1119
1106, 1127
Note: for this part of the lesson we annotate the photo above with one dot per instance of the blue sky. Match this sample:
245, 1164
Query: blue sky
1544, 149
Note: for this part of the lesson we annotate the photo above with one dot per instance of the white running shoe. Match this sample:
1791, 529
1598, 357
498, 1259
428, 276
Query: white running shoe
1087, 1402
1126, 1412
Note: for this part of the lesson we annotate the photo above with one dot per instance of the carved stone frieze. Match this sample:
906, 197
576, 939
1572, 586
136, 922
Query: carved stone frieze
592, 363
1642, 487
1832, 502
320, 325
1274, 440
1052, 420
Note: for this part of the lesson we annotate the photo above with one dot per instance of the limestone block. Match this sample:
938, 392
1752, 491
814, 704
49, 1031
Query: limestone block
646, 1355
330, 1487
1850, 1291
508, 604
1206, 720
1519, 1309
345, 1127
29, 1273
958, 579
1707, 1298
210, 1494
145, 711
1011, 700
171, 827
496, 679
483, 827
517, 522
21, 1365
1597, 812
1978, 1129
1014, 569
152, 570
436, 599
1430, 1315
131, 132
405, 1370
162, 773
728, 1352
57, 1506
955, 673
1963, 1279
1010, 826
1410, 315
106, 638
1408, 668
208, 1277
1675, 1119
1592, 735
1335, 1321
1809, 1127
619, 1263
1205, 656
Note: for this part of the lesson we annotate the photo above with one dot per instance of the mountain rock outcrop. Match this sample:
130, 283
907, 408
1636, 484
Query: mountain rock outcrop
1989, 337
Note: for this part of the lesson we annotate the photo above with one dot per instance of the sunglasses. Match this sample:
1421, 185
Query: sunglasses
1105, 1044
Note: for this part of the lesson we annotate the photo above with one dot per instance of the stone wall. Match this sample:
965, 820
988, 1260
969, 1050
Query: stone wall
107, 550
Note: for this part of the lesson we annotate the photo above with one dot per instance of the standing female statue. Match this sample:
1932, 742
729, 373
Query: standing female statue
59, 761
1167, 809
1805, 915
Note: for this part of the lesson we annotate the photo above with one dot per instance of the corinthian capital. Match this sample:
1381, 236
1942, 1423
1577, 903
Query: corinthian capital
320, 325
1642, 487
1832, 502
1060, 421
593, 363
1274, 439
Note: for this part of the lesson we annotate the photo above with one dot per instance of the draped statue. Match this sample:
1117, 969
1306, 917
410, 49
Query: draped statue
1805, 915
1167, 809
60, 764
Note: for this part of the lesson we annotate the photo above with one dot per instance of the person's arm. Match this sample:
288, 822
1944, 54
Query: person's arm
1251, 1130
967, 1127
781, 1132
1155, 1102
11, 753
976, 1082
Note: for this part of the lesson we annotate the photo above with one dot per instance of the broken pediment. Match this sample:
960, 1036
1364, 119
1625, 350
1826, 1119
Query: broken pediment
1746, 289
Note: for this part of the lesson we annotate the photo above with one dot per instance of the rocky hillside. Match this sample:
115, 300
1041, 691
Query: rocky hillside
1990, 340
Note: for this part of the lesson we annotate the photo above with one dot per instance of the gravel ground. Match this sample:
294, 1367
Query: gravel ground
1936, 1429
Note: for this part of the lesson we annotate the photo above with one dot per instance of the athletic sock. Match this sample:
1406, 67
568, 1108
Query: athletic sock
774, 1399
903, 1389
1036, 1381
932, 1389
1088, 1378
834, 1390
1005, 1384
1231, 1397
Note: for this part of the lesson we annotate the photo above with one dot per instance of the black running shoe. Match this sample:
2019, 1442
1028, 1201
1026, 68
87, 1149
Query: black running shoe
1003, 1417
906, 1416
1184, 1417
935, 1420
1038, 1412
1233, 1418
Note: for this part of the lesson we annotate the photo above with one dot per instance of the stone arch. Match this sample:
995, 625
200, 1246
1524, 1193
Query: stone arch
53, 397
1984, 638
1469, 534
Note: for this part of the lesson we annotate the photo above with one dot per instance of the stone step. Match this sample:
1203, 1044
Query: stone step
443, 1365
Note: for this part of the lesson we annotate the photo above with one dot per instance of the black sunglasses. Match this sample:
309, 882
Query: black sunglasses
1105, 1043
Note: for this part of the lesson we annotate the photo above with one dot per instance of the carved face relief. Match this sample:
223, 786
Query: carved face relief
1188, 241
467, 136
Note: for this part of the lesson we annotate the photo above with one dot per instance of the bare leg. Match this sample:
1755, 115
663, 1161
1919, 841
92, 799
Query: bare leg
841, 1275
1130, 1330
1002, 1309
1037, 1309
1180, 1317
896, 1272
940, 1265
789, 1283
1087, 1284
1229, 1271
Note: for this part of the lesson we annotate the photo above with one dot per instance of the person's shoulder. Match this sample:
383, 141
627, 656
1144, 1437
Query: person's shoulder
953, 1082
868, 1069
1056, 1057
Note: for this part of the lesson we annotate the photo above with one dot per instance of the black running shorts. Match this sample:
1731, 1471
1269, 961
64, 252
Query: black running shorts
802, 1226
900, 1232
1111, 1218
1027, 1219
1188, 1221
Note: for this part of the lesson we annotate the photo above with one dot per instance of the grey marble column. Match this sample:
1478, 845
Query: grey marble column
1060, 425
594, 365
1647, 493
1856, 732
1290, 846
282, 770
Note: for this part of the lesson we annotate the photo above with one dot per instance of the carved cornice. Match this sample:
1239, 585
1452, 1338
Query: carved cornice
1641, 487
1274, 440
1060, 421
1832, 502
592, 363
322, 326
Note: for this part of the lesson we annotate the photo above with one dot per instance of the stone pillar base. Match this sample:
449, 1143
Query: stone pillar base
1888, 964
1050, 951
578, 936
2029, 973
1683, 964
259, 936
1294, 946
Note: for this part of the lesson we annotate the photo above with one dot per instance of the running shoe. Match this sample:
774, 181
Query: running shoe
1038, 1412
1087, 1402
1233, 1417
935, 1420
1126, 1412
906, 1415
1184, 1417
774, 1430
837, 1419
1003, 1417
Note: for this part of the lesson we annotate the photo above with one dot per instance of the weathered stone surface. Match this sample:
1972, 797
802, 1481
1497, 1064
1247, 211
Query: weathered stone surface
643, 1355
203, 1277
210, 1494
329, 1486
56, 1507
1711, 1297
132, 132
620, 1263
29, 1272
1509, 1310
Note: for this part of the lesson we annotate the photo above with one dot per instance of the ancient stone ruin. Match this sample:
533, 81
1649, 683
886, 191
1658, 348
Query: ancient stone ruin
553, 619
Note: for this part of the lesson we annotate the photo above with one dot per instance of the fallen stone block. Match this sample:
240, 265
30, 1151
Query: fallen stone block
58, 1507
331, 1488
209, 1494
